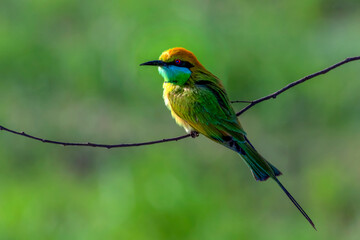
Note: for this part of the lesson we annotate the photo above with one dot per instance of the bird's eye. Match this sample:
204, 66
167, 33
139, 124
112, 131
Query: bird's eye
177, 61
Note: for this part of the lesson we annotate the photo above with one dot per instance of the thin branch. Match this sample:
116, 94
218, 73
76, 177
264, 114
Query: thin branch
89, 144
250, 105
241, 101
293, 84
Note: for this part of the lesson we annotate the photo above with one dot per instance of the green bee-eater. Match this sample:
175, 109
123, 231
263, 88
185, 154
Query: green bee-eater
198, 102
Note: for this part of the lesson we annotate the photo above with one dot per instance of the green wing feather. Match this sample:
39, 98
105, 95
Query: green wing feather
207, 109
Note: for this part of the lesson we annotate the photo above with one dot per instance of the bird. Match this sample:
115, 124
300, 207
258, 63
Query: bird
199, 103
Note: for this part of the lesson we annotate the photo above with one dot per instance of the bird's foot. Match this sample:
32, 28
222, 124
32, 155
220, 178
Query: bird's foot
194, 134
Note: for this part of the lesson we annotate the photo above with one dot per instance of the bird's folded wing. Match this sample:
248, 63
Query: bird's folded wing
207, 109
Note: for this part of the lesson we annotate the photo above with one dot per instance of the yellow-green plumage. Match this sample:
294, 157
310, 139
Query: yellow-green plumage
198, 102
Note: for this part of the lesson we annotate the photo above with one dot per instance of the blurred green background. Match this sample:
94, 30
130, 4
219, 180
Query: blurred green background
69, 70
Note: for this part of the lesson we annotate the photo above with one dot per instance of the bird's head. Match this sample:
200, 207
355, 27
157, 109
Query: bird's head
176, 65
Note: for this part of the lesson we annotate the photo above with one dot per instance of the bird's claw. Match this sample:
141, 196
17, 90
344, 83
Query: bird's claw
194, 134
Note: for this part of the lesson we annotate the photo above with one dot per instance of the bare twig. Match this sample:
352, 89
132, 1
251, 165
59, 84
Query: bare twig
240, 101
250, 105
293, 84
89, 144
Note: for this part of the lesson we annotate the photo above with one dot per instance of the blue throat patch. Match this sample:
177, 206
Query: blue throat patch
175, 74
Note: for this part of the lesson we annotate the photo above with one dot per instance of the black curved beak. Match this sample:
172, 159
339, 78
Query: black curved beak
154, 63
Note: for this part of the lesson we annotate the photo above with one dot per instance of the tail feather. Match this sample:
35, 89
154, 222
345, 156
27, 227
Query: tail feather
297, 205
276, 171
262, 170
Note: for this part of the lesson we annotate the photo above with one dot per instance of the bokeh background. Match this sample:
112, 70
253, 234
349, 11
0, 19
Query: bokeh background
69, 70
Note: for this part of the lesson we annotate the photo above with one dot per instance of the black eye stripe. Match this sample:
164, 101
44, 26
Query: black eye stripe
182, 64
